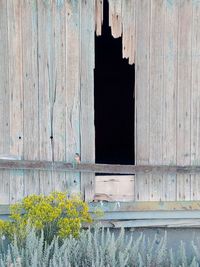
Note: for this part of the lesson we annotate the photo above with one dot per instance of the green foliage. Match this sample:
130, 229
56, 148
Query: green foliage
55, 215
95, 248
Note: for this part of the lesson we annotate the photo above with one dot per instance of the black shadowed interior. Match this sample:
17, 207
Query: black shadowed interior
114, 82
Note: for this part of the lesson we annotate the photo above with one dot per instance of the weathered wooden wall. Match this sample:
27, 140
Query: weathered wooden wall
166, 43
46, 92
167, 95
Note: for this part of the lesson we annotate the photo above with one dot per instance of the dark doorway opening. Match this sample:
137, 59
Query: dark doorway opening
114, 82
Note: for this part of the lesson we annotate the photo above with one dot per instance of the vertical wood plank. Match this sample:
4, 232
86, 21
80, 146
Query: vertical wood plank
195, 101
73, 91
184, 97
126, 21
169, 96
128, 30
4, 101
14, 10
59, 95
142, 96
98, 16
132, 34
45, 52
156, 94
87, 95
30, 92
115, 17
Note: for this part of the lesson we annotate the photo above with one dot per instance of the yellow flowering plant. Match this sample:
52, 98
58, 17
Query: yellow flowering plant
55, 214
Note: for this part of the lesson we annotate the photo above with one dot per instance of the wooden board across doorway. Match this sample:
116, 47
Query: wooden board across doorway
114, 188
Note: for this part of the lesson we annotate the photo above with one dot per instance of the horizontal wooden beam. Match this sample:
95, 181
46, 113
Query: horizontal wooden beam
95, 168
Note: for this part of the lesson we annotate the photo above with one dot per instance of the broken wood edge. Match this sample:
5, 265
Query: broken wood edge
95, 168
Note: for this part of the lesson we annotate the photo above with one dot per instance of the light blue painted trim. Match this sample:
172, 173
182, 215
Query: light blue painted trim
4, 217
4, 210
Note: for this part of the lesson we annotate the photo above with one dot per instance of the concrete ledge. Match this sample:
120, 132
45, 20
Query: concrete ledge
107, 206
142, 214
154, 223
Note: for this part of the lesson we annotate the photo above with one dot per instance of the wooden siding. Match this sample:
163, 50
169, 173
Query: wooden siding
46, 92
142, 149
87, 95
47, 98
165, 44
4, 101
195, 101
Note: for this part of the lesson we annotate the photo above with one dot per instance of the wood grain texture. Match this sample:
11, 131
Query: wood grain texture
126, 20
73, 61
15, 39
98, 16
46, 68
114, 187
58, 117
128, 29
47, 94
15, 164
142, 90
87, 95
41, 80
122, 22
195, 101
156, 94
184, 97
115, 17
30, 77
173, 122
4, 101
169, 97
